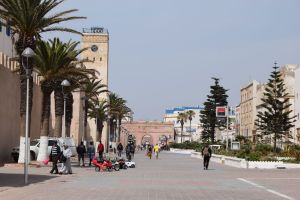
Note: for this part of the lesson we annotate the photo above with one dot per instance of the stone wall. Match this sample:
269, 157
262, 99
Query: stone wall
144, 128
9, 108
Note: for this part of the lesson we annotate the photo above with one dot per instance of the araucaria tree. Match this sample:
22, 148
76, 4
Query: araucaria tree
217, 97
275, 119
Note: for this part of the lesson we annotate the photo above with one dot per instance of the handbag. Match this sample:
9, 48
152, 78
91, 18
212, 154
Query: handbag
62, 158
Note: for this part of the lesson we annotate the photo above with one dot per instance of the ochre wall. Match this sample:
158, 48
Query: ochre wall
9, 109
155, 129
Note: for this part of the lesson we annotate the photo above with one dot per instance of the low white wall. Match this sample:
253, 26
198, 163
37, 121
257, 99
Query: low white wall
242, 163
182, 151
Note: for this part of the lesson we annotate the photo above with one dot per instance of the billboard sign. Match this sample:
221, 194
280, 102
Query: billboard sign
221, 111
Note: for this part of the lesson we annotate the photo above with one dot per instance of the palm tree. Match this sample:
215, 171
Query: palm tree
190, 114
181, 118
92, 88
118, 110
98, 111
28, 19
54, 60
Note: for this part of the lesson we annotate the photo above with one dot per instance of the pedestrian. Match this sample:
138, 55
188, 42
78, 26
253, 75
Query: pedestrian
91, 152
156, 149
149, 151
54, 157
81, 150
128, 154
100, 150
206, 154
120, 149
65, 158
132, 150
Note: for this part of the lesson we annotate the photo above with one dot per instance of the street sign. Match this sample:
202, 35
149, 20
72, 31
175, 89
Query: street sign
221, 111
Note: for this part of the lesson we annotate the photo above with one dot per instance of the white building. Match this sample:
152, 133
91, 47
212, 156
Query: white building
297, 102
191, 132
6, 43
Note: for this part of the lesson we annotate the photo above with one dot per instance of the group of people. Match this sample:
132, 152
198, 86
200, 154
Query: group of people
129, 150
64, 156
151, 148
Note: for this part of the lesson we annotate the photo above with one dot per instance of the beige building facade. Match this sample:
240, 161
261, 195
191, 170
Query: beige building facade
248, 97
251, 104
10, 108
96, 41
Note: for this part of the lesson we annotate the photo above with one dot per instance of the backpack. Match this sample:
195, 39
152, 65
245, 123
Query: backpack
206, 152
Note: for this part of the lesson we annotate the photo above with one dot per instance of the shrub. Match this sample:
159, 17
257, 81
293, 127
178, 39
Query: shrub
254, 156
264, 149
187, 145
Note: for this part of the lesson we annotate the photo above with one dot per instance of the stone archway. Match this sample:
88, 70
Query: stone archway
147, 139
163, 139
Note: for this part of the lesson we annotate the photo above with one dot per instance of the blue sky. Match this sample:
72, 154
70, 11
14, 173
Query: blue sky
164, 52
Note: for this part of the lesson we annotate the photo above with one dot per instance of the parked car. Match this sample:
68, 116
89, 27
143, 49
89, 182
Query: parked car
35, 145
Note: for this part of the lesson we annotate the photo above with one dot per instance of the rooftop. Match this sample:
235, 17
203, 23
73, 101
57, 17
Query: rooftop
95, 30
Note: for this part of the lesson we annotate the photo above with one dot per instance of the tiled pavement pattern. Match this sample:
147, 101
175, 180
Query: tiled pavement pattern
171, 177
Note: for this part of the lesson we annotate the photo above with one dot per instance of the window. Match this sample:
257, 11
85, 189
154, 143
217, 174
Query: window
100, 58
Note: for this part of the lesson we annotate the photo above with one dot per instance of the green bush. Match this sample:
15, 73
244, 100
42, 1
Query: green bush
264, 149
187, 145
254, 156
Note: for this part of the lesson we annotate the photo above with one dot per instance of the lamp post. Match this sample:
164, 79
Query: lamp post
64, 84
27, 53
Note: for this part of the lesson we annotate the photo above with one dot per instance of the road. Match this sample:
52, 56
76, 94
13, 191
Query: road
173, 176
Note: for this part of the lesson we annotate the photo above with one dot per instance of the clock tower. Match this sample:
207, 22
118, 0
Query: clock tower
96, 41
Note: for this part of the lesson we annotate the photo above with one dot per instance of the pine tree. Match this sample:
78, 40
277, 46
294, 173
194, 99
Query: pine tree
275, 119
217, 97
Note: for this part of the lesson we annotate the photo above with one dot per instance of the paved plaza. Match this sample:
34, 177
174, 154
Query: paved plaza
173, 176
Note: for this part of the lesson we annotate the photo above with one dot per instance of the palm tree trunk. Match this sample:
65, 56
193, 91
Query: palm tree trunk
191, 130
99, 130
68, 129
119, 130
59, 109
181, 133
46, 109
69, 112
85, 119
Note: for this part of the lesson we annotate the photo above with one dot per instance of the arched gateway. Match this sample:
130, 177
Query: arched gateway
151, 132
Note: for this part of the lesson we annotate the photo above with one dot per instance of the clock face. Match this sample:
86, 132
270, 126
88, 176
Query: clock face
94, 48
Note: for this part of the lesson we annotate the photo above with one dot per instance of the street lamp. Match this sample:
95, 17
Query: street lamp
64, 84
27, 53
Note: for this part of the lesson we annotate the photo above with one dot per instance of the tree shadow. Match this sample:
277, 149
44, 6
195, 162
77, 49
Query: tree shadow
17, 180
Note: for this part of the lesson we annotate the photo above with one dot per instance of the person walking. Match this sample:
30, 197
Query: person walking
149, 151
206, 154
81, 150
54, 157
91, 152
100, 150
132, 150
120, 149
156, 149
65, 158
128, 152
